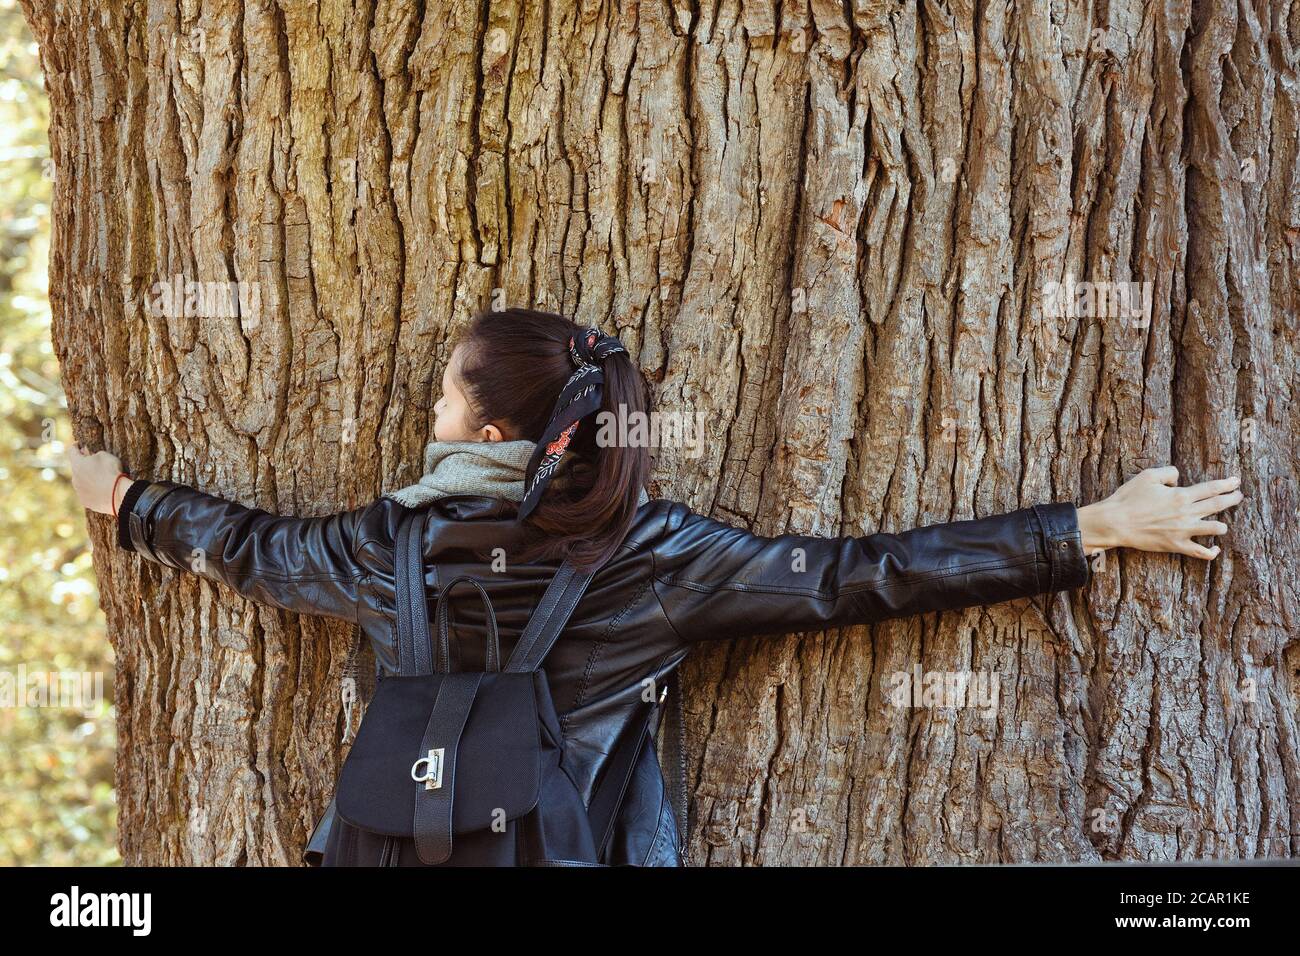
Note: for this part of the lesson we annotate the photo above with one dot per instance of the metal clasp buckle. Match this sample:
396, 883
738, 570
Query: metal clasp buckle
432, 777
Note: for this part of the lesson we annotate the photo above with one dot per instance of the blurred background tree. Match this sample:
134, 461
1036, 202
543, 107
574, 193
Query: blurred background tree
56, 765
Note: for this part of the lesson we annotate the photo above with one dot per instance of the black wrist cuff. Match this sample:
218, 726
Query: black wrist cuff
128, 502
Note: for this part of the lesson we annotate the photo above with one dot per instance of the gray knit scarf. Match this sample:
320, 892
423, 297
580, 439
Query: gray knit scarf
488, 469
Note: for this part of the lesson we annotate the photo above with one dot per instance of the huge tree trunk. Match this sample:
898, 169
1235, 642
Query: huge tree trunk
832, 233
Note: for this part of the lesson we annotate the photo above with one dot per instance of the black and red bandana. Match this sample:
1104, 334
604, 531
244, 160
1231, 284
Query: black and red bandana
579, 398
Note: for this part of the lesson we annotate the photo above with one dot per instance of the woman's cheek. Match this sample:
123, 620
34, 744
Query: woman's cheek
446, 427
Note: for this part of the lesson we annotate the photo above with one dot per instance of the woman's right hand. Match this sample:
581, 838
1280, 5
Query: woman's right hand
1150, 512
94, 479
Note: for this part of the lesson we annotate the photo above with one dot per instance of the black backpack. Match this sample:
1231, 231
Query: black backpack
467, 769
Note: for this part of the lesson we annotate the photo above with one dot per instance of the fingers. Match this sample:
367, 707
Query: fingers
1208, 489
1207, 527
1194, 550
1209, 506
1166, 475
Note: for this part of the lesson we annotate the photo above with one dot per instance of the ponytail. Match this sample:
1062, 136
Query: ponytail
514, 366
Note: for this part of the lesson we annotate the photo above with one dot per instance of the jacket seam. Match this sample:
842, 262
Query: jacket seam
368, 544
1038, 565
600, 643
654, 576
850, 589
269, 575
363, 583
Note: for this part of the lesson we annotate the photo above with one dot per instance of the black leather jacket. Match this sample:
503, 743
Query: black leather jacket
679, 579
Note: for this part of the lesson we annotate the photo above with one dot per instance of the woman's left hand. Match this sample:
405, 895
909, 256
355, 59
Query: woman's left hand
1150, 512
93, 478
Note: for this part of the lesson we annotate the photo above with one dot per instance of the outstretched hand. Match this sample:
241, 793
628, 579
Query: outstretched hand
1150, 512
93, 477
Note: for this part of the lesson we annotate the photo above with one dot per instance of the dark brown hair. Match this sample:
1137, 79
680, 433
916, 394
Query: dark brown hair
512, 366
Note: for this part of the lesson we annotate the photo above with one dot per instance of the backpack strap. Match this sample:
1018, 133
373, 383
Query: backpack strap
544, 627
413, 634
414, 649
433, 807
492, 660
432, 825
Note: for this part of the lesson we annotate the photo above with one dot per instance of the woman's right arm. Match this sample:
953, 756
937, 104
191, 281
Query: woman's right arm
307, 565
716, 581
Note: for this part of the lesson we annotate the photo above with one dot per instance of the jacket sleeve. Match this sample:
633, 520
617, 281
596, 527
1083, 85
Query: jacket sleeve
717, 581
307, 565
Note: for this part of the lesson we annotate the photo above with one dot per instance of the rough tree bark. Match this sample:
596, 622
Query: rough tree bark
827, 225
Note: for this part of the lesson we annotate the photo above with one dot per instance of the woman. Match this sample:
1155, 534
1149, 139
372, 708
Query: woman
516, 481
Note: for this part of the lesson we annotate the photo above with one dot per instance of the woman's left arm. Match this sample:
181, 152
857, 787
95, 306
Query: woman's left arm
306, 565
715, 581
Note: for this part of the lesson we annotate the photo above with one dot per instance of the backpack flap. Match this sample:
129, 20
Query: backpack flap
483, 730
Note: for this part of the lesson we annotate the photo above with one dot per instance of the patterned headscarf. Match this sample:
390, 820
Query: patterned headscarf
580, 397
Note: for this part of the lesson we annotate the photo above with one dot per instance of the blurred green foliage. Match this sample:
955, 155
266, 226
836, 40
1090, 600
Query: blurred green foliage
56, 764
